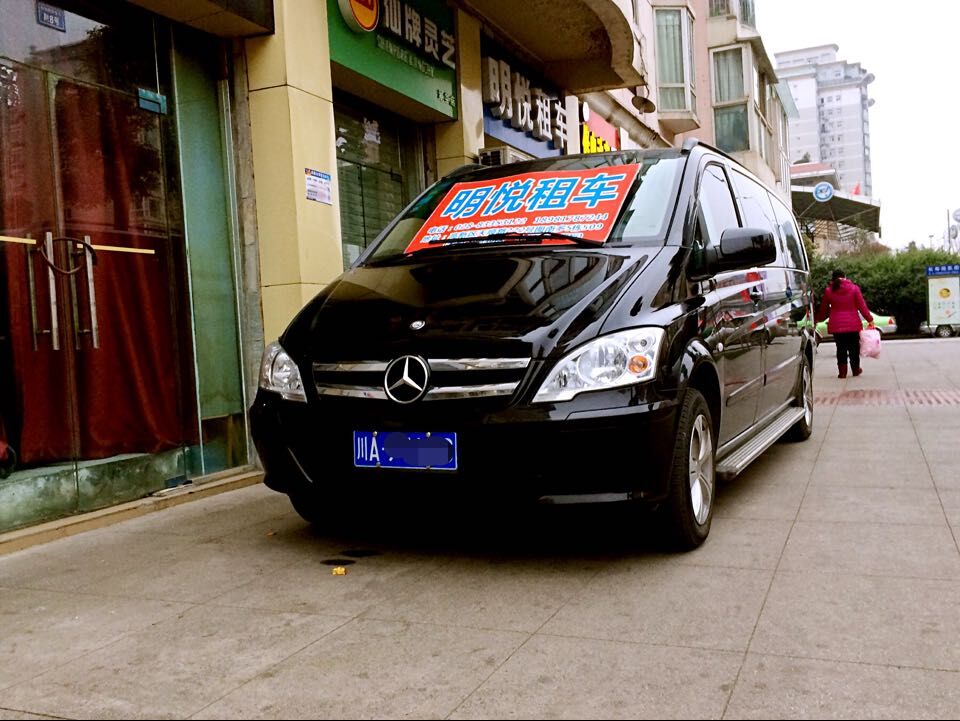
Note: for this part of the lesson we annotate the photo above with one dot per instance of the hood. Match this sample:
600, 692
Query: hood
516, 303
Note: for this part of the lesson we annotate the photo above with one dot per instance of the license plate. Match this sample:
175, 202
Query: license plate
406, 450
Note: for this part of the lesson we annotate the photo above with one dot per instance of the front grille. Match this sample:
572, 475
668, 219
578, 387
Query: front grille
449, 378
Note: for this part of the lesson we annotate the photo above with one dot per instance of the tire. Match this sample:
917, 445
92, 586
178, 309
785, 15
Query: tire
944, 331
688, 511
801, 430
309, 506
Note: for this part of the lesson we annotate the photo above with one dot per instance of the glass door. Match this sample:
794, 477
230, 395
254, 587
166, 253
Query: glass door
96, 386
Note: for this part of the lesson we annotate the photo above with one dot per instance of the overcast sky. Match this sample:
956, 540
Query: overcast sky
913, 49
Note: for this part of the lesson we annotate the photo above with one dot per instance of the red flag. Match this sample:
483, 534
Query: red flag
856, 189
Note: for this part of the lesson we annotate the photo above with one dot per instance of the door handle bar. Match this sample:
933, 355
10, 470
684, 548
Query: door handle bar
52, 286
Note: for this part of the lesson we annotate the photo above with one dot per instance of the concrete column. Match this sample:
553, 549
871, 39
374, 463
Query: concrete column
292, 128
459, 141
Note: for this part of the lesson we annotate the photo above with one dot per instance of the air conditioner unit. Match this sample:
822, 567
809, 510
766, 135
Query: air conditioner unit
502, 155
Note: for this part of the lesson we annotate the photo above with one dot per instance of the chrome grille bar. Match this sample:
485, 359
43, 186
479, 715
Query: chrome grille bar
444, 365
436, 364
434, 394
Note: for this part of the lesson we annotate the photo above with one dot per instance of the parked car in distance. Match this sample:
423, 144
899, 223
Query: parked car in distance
944, 330
609, 327
886, 324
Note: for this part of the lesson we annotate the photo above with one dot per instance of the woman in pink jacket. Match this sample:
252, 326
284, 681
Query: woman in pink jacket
843, 304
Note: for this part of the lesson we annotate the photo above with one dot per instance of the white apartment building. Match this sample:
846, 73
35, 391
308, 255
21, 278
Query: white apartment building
833, 123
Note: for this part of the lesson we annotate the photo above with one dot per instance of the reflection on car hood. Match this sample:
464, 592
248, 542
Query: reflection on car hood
515, 303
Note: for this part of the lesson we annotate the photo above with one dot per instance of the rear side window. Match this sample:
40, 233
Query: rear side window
796, 257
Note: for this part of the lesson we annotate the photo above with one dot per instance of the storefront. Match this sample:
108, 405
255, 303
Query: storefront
120, 372
393, 65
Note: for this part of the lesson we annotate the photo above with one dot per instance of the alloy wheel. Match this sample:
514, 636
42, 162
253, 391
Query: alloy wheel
701, 469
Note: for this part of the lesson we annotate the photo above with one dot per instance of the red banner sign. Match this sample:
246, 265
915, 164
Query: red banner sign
584, 203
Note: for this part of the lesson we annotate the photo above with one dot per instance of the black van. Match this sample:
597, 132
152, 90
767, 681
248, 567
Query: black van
608, 327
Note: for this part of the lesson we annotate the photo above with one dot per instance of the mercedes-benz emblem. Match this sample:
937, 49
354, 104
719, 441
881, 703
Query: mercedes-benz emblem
406, 379
417, 325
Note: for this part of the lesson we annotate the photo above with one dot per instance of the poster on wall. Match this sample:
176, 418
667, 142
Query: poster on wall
944, 300
583, 203
318, 186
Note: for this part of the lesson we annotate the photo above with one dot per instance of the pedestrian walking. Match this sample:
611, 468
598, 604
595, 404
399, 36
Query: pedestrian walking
842, 305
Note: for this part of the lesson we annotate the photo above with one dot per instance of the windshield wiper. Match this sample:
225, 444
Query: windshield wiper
514, 236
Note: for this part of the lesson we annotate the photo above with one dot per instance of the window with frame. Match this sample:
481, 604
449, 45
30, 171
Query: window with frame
719, 8
676, 84
755, 203
730, 101
716, 210
795, 256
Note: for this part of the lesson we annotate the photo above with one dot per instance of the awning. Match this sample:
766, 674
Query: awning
856, 211
587, 45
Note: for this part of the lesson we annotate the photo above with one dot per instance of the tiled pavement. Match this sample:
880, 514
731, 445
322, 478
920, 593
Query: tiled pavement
829, 587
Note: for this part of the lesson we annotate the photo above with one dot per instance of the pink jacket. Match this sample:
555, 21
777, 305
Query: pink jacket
842, 306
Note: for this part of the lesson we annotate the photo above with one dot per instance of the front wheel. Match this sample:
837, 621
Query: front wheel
689, 505
801, 430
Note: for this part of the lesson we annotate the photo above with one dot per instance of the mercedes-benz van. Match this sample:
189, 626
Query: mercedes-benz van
607, 327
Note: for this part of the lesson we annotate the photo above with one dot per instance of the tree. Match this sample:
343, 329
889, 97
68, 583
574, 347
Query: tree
891, 284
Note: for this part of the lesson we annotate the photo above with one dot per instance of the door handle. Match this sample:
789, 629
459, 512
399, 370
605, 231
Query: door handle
91, 292
86, 250
52, 286
32, 284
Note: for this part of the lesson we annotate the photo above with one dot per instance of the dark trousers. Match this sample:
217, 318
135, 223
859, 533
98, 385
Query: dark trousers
848, 345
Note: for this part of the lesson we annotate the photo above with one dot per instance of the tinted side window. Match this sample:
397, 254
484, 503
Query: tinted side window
796, 256
756, 206
717, 210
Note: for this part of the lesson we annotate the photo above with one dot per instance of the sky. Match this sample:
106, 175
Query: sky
913, 49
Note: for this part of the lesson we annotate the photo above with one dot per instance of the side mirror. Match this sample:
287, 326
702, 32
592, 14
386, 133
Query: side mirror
740, 248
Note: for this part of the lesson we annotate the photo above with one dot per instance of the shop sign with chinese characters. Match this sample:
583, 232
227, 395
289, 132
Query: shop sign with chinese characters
596, 134
584, 203
408, 46
521, 113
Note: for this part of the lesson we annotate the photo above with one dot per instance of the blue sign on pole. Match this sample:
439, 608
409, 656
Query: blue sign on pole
822, 192
936, 270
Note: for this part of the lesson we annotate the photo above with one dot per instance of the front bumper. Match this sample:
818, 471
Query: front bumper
610, 445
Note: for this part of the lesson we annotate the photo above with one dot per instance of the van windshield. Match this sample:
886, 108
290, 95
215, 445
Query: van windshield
623, 198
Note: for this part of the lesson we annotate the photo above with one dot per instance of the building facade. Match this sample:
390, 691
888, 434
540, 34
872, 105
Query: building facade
744, 108
833, 125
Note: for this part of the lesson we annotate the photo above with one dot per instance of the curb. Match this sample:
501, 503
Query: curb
24, 538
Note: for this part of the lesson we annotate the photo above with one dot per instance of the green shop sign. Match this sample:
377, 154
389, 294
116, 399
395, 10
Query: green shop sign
406, 45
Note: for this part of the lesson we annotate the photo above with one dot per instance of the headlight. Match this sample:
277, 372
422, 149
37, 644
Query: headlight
278, 373
618, 359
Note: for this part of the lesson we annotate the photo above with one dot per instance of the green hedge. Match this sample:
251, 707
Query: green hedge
892, 284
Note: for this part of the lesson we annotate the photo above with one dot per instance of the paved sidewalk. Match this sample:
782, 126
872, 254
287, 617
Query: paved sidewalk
829, 587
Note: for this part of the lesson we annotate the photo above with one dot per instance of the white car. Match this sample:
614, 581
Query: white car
944, 330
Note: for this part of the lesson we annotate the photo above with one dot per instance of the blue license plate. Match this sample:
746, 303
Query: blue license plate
406, 450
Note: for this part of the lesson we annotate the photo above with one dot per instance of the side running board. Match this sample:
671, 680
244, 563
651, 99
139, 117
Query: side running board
734, 464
